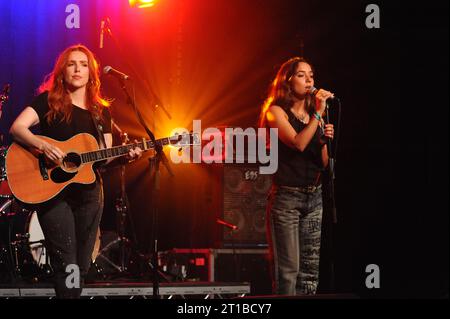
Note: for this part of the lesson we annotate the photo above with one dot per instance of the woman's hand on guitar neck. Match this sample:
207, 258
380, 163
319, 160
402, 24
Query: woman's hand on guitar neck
134, 153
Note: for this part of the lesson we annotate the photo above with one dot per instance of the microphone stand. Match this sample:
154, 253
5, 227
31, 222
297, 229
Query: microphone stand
154, 163
331, 197
122, 206
232, 229
148, 87
331, 170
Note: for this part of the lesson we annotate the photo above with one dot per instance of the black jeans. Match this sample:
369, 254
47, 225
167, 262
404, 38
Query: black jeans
294, 230
69, 223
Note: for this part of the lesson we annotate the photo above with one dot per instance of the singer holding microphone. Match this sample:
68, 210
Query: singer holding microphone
294, 211
69, 103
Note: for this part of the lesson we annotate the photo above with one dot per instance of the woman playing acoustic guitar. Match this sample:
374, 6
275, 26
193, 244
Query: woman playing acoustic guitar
69, 103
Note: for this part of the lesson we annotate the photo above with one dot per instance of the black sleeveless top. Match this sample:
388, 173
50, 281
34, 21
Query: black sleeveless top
60, 130
296, 168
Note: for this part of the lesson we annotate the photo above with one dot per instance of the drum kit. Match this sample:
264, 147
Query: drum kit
23, 253
22, 250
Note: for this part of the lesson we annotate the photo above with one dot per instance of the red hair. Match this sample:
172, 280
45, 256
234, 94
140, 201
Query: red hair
59, 99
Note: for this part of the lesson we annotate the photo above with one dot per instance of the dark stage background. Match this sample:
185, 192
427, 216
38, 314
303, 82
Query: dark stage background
213, 60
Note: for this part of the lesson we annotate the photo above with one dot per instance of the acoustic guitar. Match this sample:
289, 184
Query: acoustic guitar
34, 179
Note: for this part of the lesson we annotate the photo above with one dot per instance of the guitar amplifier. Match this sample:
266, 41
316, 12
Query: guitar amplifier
245, 193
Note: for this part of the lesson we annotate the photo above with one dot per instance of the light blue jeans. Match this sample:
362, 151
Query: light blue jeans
294, 230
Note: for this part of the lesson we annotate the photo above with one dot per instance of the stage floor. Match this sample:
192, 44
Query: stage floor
129, 290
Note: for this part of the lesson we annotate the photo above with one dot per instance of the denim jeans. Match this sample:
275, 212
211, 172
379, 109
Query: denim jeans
294, 230
69, 223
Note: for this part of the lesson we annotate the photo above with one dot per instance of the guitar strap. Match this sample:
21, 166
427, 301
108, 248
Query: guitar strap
99, 126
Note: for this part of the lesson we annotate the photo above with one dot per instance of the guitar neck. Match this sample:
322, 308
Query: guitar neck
122, 150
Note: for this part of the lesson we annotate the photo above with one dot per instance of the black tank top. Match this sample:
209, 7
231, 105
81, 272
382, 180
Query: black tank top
296, 168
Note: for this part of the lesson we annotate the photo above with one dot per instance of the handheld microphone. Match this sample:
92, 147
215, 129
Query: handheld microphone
111, 71
313, 91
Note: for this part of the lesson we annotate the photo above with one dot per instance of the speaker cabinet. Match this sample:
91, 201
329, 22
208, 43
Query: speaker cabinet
245, 193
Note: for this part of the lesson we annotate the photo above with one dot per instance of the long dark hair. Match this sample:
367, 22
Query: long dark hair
280, 92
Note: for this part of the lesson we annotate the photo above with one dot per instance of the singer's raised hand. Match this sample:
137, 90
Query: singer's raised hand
321, 100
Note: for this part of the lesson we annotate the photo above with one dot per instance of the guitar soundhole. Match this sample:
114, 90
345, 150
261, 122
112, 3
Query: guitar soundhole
71, 162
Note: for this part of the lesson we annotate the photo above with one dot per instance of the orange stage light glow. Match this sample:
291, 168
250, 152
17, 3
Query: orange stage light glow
142, 3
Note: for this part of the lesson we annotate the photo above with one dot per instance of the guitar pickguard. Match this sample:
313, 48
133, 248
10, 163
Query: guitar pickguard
58, 176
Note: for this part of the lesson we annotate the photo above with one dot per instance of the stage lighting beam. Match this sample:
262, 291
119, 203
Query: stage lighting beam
142, 3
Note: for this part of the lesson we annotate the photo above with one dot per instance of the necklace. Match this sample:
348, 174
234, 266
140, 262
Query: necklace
300, 117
